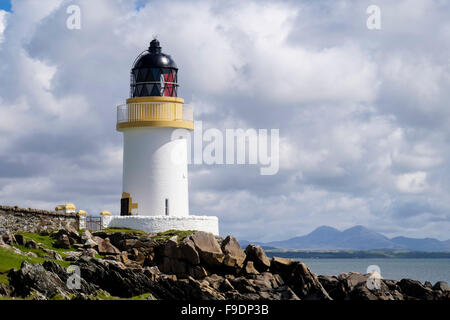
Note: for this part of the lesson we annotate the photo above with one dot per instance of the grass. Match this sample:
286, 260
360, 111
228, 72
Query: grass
102, 295
10, 260
181, 234
46, 241
124, 230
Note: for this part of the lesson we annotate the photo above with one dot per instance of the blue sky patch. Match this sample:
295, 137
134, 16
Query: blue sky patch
5, 5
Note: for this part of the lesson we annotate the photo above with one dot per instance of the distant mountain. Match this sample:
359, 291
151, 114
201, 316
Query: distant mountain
355, 238
426, 244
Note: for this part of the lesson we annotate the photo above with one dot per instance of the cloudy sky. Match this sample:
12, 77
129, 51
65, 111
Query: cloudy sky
363, 114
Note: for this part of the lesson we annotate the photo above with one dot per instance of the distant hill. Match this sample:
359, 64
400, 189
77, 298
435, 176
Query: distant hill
355, 238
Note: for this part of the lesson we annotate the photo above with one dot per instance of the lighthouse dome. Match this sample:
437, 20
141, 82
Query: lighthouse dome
154, 73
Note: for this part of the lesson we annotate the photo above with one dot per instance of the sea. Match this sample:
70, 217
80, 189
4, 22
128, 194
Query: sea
431, 270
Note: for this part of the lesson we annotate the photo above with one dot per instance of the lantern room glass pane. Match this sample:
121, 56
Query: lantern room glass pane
155, 74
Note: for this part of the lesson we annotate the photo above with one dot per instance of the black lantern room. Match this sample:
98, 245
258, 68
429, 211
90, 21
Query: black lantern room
154, 74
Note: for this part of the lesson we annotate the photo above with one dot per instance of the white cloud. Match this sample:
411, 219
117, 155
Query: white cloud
3, 15
415, 182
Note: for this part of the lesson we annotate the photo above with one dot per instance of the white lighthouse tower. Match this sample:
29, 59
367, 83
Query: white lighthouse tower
155, 176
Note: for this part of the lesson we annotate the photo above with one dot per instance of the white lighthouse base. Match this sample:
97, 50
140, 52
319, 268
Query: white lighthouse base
154, 224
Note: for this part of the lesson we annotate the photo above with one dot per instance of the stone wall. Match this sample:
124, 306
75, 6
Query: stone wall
15, 219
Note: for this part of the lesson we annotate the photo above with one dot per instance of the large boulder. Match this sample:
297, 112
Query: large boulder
234, 255
333, 286
71, 234
106, 248
300, 279
258, 256
86, 235
62, 242
358, 286
115, 277
442, 286
20, 240
208, 248
85, 287
35, 277
188, 252
413, 289
31, 244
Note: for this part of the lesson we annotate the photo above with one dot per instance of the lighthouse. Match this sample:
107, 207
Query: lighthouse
155, 194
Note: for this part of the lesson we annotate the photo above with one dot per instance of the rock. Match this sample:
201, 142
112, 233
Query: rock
258, 256
115, 277
90, 243
226, 286
197, 272
100, 234
89, 252
31, 244
152, 272
234, 255
249, 268
116, 238
43, 231
188, 252
78, 246
428, 284
415, 289
71, 233
36, 295
124, 257
352, 279
63, 274
106, 248
128, 244
173, 266
20, 240
35, 277
62, 242
137, 256
85, 236
52, 254
5, 290
442, 286
72, 255
302, 281
280, 265
208, 248
333, 287
9, 239
170, 250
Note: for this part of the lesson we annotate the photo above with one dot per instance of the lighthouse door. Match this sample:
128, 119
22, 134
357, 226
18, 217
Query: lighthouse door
125, 207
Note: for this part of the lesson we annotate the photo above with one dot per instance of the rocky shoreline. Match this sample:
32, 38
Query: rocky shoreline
196, 266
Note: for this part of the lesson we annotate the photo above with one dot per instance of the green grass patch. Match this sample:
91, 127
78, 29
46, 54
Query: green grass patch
102, 295
181, 234
124, 230
46, 241
10, 260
